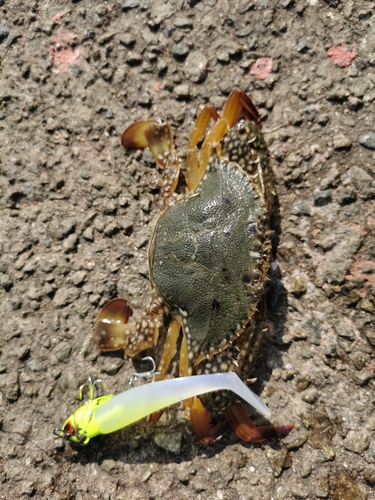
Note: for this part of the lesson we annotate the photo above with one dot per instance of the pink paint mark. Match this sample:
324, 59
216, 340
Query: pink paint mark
156, 87
57, 18
61, 55
261, 68
109, 8
364, 269
341, 56
64, 38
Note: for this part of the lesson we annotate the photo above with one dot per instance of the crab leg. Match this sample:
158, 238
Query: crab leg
238, 105
170, 343
199, 417
185, 370
156, 135
193, 170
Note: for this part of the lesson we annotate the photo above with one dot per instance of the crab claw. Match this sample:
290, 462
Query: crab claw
111, 326
246, 430
246, 107
154, 134
236, 418
201, 422
137, 135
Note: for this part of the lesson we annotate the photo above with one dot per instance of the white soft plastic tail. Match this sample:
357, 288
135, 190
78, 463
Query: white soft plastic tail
134, 404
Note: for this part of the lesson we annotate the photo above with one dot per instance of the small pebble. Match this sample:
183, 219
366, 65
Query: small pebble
359, 359
70, 243
338, 261
5, 281
369, 474
299, 491
161, 12
363, 182
299, 285
183, 474
34, 365
195, 67
312, 326
88, 234
301, 208
243, 32
346, 196
301, 382
16, 303
35, 293
78, 278
362, 377
144, 99
131, 4
367, 305
276, 459
322, 198
111, 366
4, 32
170, 441
109, 466
357, 441
182, 90
62, 351
341, 142
65, 296
368, 140
332, 179
68, 228
180, 50
310, 395
183, 22
127, 39
295, 440
354, 103
134, 58
161, 65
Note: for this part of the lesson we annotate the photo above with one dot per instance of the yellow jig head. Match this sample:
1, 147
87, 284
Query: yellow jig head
80, 427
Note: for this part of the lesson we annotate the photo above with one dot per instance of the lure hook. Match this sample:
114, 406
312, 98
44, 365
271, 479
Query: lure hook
92, 387
151, 374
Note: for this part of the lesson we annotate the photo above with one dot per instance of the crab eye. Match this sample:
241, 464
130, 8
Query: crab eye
68, 429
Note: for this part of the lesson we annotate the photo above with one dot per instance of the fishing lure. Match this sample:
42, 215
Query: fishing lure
110, 413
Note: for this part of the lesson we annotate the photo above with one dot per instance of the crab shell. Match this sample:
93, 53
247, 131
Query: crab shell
210, 250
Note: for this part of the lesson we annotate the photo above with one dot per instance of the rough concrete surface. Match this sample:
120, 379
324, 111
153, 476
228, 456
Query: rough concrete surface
77, 212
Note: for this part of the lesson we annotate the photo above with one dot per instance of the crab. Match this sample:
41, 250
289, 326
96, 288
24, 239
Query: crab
208, 259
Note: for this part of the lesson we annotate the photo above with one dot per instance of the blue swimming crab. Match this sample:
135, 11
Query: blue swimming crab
208, 259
